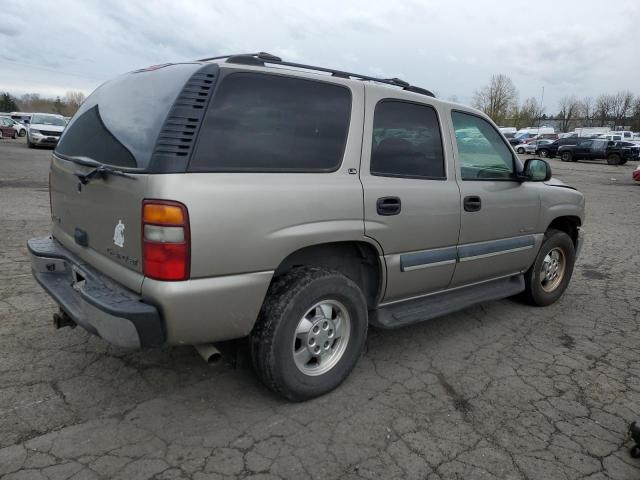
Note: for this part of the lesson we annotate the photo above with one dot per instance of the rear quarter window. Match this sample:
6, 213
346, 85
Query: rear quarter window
270, 123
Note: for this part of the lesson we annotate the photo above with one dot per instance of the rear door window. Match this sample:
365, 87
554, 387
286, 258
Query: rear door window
270, 123
406, 141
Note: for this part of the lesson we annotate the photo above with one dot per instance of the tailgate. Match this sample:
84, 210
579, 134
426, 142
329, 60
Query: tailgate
138, 124
101, 220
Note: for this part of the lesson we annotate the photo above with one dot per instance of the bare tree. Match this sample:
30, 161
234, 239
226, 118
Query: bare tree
635, 123
569, 107
73, 100
621, 104
33, 102
586, 110
497, 98
530, 112
603, 108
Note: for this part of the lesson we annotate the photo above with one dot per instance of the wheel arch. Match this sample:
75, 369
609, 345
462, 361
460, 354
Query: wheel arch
568, 224
360, 261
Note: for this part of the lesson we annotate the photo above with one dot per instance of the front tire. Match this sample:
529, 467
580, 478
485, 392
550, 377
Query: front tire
520, 150
310, 332
22, 133
549, 276
613, 159
566, 157
543, 153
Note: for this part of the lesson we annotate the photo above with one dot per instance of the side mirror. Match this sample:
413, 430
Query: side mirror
536, 170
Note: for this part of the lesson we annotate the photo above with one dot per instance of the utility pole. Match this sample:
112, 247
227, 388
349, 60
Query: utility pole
541, 109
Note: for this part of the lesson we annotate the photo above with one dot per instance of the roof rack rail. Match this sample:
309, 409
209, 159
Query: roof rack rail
261, 58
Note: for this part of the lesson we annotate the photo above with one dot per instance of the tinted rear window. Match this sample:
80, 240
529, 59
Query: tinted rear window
263, 123
119, 123
90, 138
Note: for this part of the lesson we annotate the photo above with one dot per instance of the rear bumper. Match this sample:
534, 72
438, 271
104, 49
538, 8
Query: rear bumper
95, 302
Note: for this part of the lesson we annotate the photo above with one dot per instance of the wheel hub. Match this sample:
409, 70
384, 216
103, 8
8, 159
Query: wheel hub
552, 270
321, 337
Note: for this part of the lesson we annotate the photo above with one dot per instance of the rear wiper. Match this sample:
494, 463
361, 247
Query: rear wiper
100, 170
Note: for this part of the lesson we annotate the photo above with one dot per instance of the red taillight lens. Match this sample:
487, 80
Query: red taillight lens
166, 242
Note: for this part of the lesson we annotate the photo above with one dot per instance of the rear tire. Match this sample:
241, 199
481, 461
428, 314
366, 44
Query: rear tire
284, 339
614, 159
520, 150
549, 276
566, 157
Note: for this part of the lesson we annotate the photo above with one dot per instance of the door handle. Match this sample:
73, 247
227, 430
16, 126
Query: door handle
472, 203
388, 206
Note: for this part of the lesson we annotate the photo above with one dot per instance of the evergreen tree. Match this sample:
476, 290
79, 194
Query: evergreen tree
7, 103
58, 106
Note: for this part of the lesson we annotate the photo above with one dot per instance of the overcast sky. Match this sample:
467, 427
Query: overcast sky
580, 47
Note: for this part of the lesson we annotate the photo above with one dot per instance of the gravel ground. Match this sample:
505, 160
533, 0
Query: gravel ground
500, 390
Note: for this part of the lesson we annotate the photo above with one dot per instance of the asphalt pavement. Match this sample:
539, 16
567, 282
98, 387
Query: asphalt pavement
498, 391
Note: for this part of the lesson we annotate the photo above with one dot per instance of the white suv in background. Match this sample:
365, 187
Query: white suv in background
45, 129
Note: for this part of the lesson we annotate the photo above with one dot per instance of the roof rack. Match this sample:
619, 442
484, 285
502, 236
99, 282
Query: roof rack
261, 58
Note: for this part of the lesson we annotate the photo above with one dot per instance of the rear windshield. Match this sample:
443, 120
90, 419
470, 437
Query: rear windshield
120, 121
263, 123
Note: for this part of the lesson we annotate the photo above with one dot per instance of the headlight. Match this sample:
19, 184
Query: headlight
33, 130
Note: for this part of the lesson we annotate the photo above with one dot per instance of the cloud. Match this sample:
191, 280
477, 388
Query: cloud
451, 47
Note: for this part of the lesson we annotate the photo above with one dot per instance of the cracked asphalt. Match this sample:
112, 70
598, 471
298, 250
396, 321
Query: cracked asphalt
498, 391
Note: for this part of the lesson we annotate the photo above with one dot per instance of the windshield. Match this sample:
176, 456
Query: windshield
47, 120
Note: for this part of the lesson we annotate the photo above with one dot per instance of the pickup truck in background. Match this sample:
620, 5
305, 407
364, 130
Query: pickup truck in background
593, 149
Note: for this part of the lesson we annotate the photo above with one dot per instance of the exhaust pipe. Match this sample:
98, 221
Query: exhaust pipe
209, 353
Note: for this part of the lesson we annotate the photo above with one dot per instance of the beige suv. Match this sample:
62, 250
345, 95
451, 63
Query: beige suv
245, 196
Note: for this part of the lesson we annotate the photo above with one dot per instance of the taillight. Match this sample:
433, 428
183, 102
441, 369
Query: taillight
166, 242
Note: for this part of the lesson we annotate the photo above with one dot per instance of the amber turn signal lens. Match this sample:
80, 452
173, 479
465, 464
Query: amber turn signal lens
163, 214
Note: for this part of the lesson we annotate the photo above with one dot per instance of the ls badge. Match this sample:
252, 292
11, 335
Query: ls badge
118, 234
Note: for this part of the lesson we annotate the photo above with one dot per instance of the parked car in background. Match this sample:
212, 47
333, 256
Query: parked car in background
6, 127
45, 130
508, 135
595, 149
590, 131
532, 147
550, 150
634, 147
21, 117
19, 127
618, 136
530, 132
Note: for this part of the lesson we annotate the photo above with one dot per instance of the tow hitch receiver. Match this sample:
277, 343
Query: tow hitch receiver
61, 319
